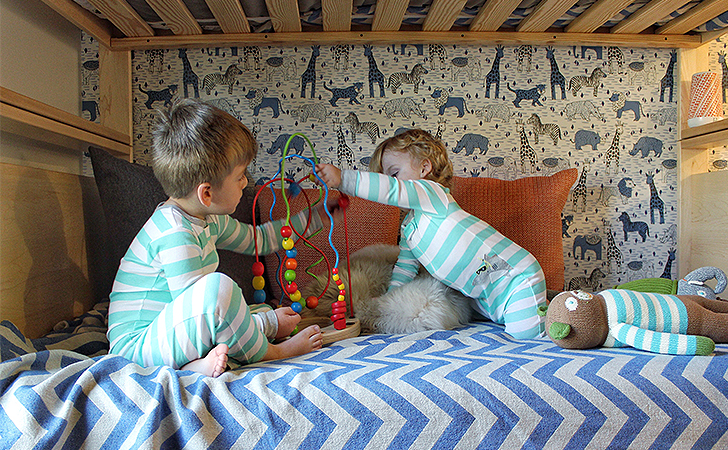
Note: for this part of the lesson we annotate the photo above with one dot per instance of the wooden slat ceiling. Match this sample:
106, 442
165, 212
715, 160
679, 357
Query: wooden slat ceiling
493, 22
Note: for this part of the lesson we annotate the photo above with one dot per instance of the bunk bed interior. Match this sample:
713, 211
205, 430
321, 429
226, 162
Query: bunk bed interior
471, 387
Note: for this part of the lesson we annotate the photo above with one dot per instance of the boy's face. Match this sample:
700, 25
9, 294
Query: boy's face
401, 166
226, 197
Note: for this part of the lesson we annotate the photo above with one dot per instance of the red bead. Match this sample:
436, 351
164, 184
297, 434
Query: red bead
292, 288
342, 292
338, 310
338, 304
344, 201
291, 264
340, 324
258, 269
335, 271
312, 302
286, 231
336, 317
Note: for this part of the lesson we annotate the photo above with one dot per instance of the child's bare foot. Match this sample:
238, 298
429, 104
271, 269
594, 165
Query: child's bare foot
287, 321
301, 343
213, 364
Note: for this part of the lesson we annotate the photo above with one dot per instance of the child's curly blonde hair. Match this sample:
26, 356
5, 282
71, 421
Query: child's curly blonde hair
420, 145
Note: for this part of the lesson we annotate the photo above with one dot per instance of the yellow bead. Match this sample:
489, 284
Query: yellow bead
341, 298
287, 243
258, 283
296, 296
335, 277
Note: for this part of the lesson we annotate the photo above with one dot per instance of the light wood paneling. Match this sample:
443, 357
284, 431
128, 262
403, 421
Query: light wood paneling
646, 16
596, 15
696, 16
388, 15
544, 15
442, 14
176, 15
230, 15
124, 17
284, 15
336, 14
44, 276
493, 14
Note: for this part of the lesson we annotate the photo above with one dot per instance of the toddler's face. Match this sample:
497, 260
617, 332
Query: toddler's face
226, 197
400, 165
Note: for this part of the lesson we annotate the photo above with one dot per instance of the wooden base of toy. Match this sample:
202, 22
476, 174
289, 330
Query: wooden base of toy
331, 334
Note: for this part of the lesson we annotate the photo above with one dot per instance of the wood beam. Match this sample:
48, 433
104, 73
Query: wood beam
230, 15
646, 16
442, 14
83, 19
124, 17
284, 15
493, 14
175, 14
336, 14
544, 15
411, 37
596, 15
388, 15
695, 16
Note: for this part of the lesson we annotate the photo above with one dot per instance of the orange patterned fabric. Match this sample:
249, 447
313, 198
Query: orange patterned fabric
526, 210
367, 222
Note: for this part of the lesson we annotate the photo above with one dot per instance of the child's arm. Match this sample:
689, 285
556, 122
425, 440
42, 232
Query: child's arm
421, 195
406, 268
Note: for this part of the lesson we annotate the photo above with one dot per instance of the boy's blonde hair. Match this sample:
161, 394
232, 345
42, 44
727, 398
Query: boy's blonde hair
194, 143
420, 145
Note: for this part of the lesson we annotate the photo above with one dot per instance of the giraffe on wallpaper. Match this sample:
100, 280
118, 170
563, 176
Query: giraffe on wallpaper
188, 75
375, 75
668, 81
724, 68
493, 76
556, 77
309, 75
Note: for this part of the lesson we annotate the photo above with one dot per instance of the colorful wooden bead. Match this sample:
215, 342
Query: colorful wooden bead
289, 275
287, 243
259, 296
286, 231
296, 296
292, 253
258, 283
291, 264
291, 288
312, 302
296, 307
258, 268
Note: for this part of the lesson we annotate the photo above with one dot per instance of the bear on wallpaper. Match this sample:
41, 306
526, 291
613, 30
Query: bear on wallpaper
503, 111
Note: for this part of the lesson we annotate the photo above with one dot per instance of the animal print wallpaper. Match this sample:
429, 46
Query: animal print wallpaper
503, 111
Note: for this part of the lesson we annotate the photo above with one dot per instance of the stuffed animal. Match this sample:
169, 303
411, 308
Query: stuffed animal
676, 325
692, 284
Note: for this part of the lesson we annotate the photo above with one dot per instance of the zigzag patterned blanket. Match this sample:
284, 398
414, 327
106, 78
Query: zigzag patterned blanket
470, 388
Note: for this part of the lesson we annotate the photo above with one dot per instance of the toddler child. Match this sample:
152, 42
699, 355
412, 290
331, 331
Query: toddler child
168, 304
413, 172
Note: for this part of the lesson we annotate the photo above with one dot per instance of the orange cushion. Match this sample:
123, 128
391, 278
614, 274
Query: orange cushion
526, 210
367, 223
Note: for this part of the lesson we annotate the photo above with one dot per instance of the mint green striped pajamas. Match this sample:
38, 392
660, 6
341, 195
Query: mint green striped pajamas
460, 250
169, 306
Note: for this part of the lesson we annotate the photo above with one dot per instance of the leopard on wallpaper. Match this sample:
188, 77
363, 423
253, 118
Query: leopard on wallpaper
503, 111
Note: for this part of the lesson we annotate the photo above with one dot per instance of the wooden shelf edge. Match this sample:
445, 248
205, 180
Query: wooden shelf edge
25, 123
706, 136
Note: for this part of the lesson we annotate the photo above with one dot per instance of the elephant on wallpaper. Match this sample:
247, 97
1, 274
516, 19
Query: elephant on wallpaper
588, 242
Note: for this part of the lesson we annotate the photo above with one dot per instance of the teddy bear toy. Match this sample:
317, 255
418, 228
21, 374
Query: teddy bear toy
671, 324
692, 284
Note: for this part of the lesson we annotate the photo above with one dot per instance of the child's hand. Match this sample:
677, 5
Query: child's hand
287, 321
331, 175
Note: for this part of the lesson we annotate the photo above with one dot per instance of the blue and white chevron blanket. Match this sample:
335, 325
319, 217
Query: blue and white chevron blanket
474, 387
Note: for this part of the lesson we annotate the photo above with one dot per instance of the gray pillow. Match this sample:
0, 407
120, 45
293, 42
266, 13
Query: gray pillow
129, 194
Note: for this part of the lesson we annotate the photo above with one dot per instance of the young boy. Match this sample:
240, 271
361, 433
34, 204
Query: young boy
168, 305
413, 172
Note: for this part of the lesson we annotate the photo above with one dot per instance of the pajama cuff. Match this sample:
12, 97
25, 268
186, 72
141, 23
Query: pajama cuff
267, 323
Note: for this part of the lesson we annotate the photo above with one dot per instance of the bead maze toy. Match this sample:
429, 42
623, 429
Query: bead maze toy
341, 326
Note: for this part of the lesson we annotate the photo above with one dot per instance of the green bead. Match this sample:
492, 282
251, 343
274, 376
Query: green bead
289, 275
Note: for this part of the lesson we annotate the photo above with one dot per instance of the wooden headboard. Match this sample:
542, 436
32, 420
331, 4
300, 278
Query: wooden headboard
51, 247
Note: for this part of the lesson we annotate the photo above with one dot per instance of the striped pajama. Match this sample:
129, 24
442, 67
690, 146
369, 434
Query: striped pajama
457, 248
169, 306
